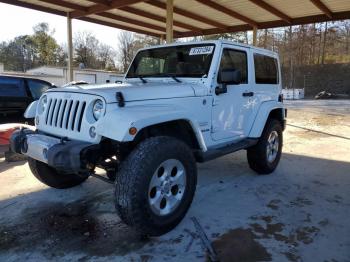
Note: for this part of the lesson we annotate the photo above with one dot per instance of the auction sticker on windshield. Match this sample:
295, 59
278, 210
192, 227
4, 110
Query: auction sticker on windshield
202, 50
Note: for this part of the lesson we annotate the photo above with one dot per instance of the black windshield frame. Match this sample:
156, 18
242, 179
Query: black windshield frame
182, 56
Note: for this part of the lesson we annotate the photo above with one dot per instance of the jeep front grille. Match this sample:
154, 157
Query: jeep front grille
65, 113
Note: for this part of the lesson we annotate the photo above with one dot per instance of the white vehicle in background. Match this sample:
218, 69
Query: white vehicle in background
179, 104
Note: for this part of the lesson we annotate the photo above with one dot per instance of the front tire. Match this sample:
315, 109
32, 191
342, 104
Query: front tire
156, 185
52, 178
264, 157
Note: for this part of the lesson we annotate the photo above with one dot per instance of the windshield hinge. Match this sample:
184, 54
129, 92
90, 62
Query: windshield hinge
120, 99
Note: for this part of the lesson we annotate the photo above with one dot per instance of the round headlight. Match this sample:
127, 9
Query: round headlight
98, 109
42, 104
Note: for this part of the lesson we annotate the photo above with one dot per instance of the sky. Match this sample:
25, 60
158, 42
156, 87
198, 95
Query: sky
17, 21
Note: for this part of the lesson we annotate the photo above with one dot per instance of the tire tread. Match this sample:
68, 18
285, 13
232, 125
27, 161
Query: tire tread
129, 185
256, 155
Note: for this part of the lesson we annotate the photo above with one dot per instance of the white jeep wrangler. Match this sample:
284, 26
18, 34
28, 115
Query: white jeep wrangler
179, 104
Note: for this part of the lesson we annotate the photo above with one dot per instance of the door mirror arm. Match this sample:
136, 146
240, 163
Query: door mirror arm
221, 89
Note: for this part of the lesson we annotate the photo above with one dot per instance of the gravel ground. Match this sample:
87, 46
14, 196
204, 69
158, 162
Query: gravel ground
299, 213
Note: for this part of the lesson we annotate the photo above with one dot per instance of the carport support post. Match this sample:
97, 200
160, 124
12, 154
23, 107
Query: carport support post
255, 35
70, 48
169, 21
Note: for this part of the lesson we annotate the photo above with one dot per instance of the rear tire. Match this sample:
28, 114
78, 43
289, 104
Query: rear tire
51, 177
264, 157
155, 185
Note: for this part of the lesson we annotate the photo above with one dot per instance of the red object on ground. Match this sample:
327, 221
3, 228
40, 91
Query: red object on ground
5, 136
6, 131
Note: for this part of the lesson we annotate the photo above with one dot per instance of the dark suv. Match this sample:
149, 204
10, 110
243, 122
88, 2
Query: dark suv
16, 93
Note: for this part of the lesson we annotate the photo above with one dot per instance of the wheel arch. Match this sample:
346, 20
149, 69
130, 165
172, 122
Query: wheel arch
116, 125
181, 129
268, 110
278, 114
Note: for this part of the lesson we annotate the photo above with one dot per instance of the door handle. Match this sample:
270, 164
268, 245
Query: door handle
247, 94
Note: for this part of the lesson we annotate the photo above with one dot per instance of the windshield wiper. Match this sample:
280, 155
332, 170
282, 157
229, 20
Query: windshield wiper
173, 77
142, 79
176, 79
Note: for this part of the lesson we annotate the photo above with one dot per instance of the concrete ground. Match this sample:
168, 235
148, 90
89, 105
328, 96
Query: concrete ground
299, 213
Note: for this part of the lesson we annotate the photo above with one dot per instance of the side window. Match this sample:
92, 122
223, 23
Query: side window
12, 87
266, 69
234, 59
37, 88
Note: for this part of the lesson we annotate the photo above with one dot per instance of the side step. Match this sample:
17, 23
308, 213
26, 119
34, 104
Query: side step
227, 149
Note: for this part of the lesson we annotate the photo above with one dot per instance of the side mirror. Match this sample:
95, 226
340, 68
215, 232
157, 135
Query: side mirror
229, 77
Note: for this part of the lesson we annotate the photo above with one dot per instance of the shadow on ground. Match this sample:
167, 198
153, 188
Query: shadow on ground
89, 224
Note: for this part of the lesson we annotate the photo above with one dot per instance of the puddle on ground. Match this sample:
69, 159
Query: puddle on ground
91, 227
301, 202
276, 231
273, 204
306, 234
240, 245
292, 257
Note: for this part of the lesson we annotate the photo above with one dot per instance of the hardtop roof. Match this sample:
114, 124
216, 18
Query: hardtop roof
215, 42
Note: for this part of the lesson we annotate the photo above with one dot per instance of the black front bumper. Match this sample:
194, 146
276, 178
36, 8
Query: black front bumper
69, 156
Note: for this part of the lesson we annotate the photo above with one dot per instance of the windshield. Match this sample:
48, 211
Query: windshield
179, 61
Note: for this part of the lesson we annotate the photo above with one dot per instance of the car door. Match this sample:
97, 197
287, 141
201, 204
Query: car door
13, 96
233, 111
37, 87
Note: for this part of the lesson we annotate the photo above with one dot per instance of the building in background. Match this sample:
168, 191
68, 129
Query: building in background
59, 75
293, 93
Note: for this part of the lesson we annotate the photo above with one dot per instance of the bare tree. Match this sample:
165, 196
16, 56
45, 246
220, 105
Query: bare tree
129, 43
125, 47
324, 43
85, 46
105, 56
93, 54
346, 34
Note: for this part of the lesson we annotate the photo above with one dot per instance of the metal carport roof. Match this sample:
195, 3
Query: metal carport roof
194, 17
185, 18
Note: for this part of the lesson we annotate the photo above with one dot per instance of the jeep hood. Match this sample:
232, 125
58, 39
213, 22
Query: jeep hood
137, 92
